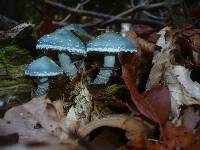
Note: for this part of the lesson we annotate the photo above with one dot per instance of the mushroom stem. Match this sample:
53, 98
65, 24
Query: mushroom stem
66, 64
42, 88
105, 72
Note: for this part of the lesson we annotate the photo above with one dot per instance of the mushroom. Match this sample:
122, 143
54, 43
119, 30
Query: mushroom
108, 43
43, 68
65, 42
78, 29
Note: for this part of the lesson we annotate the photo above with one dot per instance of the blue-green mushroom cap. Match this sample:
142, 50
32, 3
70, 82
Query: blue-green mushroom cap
62, 40
110, 42
43, 67
77, 28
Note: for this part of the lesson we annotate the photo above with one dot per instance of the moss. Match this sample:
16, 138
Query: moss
112, 90
12, 87
13, 60
16, 71
14, 54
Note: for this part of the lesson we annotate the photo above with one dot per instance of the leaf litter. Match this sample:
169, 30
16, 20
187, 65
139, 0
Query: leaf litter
162, 102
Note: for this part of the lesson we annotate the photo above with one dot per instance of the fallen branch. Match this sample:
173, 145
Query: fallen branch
101, 16
77, 7
83, 12
137, 8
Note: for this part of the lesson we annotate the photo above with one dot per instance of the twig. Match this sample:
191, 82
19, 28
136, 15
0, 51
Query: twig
83, 12
101, 15
77, 7
85, 25
137, 8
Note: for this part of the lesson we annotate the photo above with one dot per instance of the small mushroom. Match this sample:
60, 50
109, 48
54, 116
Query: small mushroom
78, 29
43, 68
65, 42
108, 43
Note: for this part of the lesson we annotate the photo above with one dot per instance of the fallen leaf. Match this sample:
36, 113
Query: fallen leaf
154, 146
178, 137
19, 120
177, 78
46, 114
195, 12
190, 118
133, 127
81, 110
39, 120
195, 45
138, 143
140, 43
163, 41
101, 141
153, 37
154, 104
159, 99
69, 146
9, 139
183, 90
142, 30
195, 146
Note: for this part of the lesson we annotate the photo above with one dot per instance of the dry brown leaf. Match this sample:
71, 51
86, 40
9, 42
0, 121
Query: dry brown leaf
142, 30
9, 139
177, 78
140, 43
190, 119
195, 43
39, 111
19, 120
46, 114
154, 146
183, 89
161, 60
80, 112
139, 143
101, 142
178, 137
44, 147
133, 127
154, 103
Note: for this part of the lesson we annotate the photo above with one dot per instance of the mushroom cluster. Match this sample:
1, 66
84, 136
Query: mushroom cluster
65, 42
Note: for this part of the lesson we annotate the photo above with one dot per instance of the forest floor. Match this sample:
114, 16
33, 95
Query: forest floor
150, 102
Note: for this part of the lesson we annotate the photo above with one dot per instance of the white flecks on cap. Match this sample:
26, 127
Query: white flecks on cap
110, 42
62, 40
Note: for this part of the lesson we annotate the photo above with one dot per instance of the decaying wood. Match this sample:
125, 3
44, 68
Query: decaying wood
18, 32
